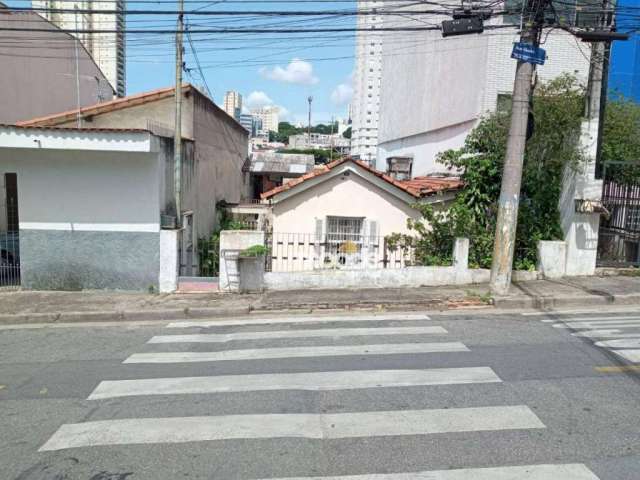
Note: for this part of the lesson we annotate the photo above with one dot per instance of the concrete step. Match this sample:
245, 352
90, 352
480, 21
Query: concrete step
197, 284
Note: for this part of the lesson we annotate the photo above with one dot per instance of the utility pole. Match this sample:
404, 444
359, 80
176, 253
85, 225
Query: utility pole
309, 99
77, 39
331, 142
507, 222
177, 138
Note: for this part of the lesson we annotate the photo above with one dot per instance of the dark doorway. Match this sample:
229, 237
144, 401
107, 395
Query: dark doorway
9, 233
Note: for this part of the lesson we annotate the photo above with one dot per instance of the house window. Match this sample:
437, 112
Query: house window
344, 237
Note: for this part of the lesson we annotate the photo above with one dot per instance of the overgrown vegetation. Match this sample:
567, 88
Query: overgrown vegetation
320, 156
557, 109
254, 251
621, 140
285, 130
209, 247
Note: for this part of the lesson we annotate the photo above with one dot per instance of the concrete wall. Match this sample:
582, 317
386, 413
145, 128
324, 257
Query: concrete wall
212, 164
232, 242
457, 274
343, 196
581, 229
88, 219
160, 113
452, 82
221, 146
39, 78
424, 148
168, 281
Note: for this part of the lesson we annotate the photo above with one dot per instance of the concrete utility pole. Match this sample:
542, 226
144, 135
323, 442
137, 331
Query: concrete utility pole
512, 173
177, 138
77, 39
309, 99
331, 142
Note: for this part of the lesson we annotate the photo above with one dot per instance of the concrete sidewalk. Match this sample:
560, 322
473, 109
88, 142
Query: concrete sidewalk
37, 307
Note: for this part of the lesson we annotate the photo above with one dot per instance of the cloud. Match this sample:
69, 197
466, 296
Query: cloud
257, 99
342, 94
298, 72
285, 115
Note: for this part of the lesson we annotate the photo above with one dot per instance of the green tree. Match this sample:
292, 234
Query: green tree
347, 133
621, 139
557, 110
320, 155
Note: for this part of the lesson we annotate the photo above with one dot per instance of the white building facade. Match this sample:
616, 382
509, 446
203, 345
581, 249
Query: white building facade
366, 83
270, 117
434, 94
107, 49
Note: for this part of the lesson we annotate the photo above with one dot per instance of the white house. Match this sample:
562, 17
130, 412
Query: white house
89, 207
340, 213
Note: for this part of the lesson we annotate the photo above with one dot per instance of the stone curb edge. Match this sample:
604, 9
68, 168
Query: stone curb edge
548, 302
538, 302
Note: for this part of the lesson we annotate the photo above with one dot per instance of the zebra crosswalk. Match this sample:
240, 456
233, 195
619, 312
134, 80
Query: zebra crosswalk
618, 334
349, 338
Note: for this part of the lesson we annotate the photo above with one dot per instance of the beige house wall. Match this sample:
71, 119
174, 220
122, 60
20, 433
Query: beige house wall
342, 196
157, 115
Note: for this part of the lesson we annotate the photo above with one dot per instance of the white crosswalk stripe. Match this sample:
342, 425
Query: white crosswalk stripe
373, 420
632, 356
619, 334
297, 352
301, 320
314, 426
623, 343
574, 471
341, 380
269, 335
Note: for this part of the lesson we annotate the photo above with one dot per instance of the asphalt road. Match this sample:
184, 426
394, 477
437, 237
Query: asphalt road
454, 396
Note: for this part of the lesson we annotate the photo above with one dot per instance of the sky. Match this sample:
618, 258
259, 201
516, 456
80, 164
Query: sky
280, 69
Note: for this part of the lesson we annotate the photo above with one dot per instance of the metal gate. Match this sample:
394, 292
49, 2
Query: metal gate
9, 232
619, 235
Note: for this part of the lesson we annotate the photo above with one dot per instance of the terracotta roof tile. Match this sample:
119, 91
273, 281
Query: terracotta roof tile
429, 185
72, 129
417, 187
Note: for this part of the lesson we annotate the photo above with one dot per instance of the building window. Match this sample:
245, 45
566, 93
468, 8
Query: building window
344, 237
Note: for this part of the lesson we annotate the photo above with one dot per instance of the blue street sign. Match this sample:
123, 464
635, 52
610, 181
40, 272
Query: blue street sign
528, 53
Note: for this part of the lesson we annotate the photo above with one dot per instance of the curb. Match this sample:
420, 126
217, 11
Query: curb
548, 302
123, 315
215, 312
499, 303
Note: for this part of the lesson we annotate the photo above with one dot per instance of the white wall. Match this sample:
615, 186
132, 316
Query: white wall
65, 188
434, 90
424, 148
342, 196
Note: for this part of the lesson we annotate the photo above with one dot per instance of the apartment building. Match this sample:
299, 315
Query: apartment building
270, 117
48, 62
453, 82
233, 104
107, 49
366, 83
